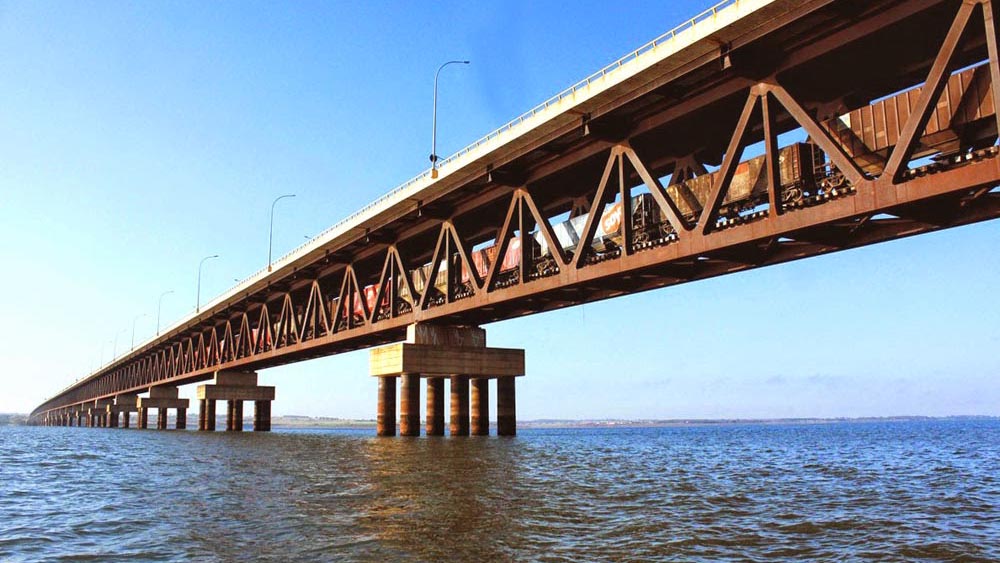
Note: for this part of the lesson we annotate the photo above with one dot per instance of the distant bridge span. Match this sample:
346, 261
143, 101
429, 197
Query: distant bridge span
635, 178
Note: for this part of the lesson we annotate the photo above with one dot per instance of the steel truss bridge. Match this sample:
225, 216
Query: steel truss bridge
894, 100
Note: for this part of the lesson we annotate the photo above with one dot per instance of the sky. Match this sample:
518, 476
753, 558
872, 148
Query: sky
138, 137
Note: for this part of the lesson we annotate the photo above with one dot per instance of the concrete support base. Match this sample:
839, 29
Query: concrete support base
459, 405
385, 424
435, 406
143, 419
506, 419
234, 387
124, 405
163, 399
434, 353
480, 407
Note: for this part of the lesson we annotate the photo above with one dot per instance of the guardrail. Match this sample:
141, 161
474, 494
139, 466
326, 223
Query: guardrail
709, 13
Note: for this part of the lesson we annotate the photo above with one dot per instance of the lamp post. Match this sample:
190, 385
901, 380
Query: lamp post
270, 231
197, 305
114, 349
132, 347
159, 306
434, 157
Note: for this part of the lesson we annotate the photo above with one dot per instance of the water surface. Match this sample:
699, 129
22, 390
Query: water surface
901, 491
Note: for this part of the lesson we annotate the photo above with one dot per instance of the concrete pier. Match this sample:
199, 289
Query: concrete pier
435, 406
436, 352
234, 416
206, 415
162, 399
234, 387
459, 413
142, 421
480, 406
99, 413
409, 405
124, 405
385, 423
506, 419
262, 416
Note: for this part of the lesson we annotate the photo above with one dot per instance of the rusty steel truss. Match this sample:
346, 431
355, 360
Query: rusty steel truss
816, 61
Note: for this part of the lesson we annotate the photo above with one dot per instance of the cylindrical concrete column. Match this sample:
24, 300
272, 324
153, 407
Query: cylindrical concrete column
262, 416
459, 405
234, 416
161, 418
506, 419
182, 416
435, 406
409, 405
480, 407
126, 419
143, 421
113, 419
206, 415
386, 415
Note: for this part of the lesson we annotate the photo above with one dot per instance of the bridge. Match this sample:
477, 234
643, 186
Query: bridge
759, 132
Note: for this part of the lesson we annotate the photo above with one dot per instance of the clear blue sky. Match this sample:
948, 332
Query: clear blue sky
137, 137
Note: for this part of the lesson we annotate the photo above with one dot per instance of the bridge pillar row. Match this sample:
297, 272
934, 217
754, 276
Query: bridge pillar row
162, 398
124, 405
99, 412
458, 353
234, 387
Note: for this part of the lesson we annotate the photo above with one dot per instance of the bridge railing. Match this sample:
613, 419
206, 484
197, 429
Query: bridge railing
510, 125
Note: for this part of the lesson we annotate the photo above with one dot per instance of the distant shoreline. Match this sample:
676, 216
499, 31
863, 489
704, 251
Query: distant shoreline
303, 422
307, 422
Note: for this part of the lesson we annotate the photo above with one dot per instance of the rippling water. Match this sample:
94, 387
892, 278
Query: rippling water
847, 491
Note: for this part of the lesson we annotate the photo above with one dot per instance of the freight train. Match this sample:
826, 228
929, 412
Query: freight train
965, 121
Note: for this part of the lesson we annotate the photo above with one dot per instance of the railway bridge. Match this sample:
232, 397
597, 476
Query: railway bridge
758, 132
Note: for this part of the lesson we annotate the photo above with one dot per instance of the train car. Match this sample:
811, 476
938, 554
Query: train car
963, 119
797, 166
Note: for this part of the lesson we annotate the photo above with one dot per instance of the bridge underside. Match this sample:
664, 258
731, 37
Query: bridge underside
697, 161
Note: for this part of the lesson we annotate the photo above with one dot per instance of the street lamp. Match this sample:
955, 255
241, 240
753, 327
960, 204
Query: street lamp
270, 232
114, 349
434, 157
159, 306
132, 347
197, 305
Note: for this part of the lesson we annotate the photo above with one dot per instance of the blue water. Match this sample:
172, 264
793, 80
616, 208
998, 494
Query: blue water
901, 491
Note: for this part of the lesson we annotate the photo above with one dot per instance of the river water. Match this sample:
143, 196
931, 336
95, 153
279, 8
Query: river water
878, 491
